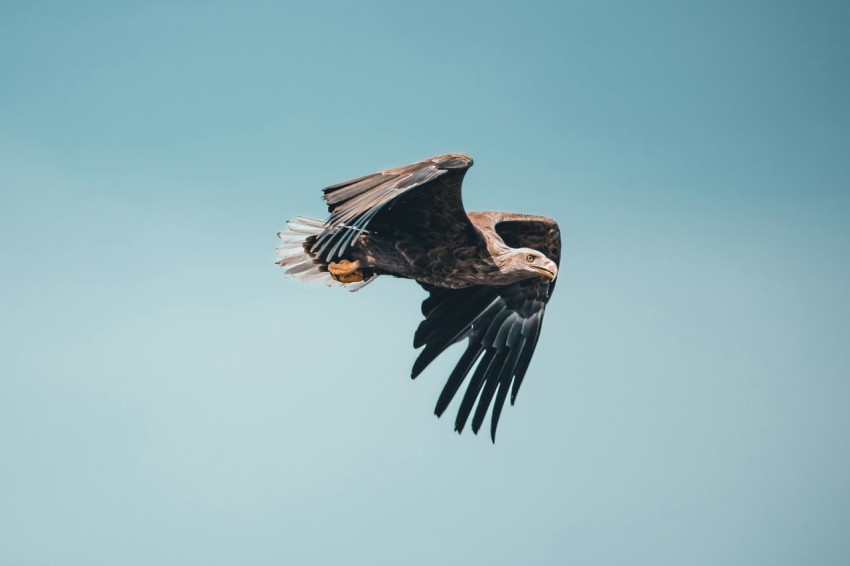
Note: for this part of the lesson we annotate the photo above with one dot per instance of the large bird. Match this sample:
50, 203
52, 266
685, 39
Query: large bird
489, 274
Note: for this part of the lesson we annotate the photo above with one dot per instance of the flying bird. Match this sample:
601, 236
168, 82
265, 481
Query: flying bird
489, 275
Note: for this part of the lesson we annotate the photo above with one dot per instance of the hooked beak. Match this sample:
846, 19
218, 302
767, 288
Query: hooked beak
549, 269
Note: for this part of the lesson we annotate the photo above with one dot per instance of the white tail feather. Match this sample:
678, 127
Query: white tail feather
297, 263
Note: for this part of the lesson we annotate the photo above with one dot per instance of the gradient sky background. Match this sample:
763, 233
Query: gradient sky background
167, 397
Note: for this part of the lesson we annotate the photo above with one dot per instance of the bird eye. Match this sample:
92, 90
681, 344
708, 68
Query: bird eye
530, 258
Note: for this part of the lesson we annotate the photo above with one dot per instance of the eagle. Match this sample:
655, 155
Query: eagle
489, 275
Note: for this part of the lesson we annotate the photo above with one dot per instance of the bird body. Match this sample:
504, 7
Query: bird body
401, 254
489, 274
479, 261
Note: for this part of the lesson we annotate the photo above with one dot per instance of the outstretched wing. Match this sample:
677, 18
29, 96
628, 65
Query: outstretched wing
423, 197
502, 323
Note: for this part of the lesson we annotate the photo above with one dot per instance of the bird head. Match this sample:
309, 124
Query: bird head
529, 263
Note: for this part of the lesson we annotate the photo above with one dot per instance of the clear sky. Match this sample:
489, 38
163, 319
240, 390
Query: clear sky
167, 397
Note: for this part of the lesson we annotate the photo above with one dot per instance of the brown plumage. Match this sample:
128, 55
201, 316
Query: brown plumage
489, 274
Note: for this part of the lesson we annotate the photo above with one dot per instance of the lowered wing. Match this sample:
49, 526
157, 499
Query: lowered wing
502, 324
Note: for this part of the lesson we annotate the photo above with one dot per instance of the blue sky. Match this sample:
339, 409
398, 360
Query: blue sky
167, 397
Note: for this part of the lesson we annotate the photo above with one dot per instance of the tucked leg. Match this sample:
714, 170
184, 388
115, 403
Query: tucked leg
346, 271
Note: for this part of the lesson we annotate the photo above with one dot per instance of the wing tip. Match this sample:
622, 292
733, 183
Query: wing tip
453, 161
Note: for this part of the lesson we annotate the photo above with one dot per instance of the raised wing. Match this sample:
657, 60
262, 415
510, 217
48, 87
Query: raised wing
398, 197
502, 323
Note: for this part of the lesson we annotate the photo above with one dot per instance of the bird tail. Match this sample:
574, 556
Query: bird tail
296, 259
